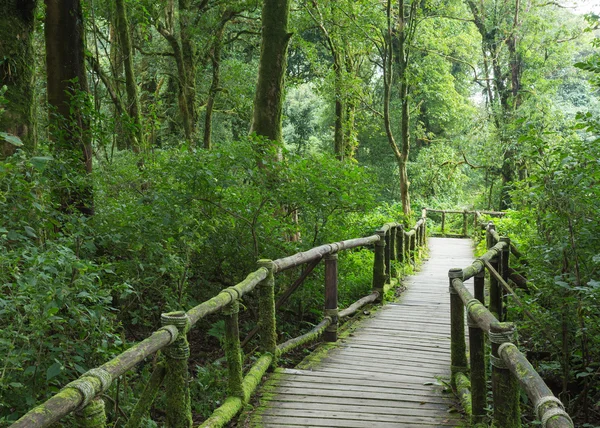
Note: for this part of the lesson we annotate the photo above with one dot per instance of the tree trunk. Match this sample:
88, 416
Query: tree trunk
133, 103
338, 135
67, 88
268, 101
16, 72
186, 96
214, 87
188, 54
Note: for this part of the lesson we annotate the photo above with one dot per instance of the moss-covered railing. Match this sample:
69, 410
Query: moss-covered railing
510, 368
476, 215
83, 396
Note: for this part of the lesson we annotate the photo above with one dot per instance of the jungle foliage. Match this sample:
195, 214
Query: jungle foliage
133, 186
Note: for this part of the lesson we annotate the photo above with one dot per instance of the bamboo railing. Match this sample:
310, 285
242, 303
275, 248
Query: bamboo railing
510, 368
83, 396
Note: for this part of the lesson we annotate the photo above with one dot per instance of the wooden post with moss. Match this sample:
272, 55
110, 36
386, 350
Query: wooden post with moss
504, 272
233, 350
266, 315
379, 266
413, 246
458, 351
477, 358
93, 415
177, 391
495, 289
147, 398
443, 221
400, 243
505, 387
331, 297
393, 253
465, 230
388, 262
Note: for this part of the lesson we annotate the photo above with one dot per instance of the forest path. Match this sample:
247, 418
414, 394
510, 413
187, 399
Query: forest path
387, 372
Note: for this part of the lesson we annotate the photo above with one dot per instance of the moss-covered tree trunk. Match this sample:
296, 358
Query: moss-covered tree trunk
215, 57
16, 71
184, 60
188, 53
133, 102
338, 134
67, 89
397, 54
268, 100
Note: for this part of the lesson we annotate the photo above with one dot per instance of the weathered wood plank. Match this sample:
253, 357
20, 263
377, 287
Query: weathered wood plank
386, 373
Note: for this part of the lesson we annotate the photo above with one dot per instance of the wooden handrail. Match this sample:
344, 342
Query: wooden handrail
508, 363
391, 242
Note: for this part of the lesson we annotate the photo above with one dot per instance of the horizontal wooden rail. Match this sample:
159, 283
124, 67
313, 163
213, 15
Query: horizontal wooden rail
319, 252
391, 242
510, 367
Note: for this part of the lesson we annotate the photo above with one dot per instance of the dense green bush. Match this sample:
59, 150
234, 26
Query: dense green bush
56, 314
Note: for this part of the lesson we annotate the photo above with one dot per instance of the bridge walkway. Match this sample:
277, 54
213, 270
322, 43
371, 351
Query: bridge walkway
390, 372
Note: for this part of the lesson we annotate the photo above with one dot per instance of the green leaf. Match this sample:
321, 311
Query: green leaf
54, 370
29, 231
11, 139
39, 162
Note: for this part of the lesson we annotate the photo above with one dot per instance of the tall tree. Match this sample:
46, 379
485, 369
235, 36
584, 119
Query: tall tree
16, 70
268, 101
133, 102
401, 28
67, 88
498, 24
185, 58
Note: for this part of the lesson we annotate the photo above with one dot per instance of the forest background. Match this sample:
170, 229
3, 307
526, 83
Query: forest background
134, 186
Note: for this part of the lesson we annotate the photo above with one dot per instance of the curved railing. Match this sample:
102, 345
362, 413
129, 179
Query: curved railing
510, 368
82, 397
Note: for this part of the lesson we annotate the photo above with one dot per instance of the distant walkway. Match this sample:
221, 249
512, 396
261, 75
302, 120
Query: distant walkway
386, 373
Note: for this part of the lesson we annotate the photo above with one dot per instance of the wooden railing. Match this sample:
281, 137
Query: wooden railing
82, 397
510, 368
465, 220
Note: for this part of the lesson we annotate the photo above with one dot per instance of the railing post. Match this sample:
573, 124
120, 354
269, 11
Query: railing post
266, 314
379, 266
393, 233
443, 221
505, 387
177, 390
233, 350
495, 289
412, 243
458, 351
424, 216
388, 262
400, 243
93, 415
477, 358
331, 297
465, 229
504, 266
147, 398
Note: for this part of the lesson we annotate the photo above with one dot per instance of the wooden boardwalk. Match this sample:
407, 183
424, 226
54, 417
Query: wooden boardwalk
387, 372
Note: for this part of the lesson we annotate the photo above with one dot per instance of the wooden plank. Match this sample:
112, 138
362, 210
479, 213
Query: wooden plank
278, 421
345, 415
304, 400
